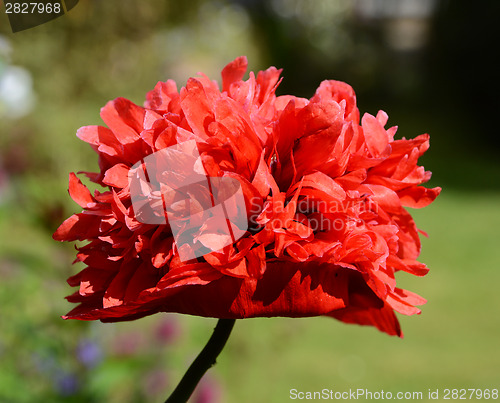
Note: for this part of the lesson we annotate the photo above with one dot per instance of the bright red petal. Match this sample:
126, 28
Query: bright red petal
233, 72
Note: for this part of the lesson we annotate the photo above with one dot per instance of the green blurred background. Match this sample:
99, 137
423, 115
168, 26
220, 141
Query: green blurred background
430, 64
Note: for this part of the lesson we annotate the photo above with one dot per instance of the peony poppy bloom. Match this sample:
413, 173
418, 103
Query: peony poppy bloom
321, 192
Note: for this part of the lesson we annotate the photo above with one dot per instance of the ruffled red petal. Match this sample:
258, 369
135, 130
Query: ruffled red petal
324, 198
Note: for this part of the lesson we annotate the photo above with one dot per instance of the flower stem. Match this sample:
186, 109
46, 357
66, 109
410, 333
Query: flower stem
205, 360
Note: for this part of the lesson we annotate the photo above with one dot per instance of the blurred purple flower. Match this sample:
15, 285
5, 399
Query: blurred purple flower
168, 330
89, 353
155, 383
66, 383
127, 343
208, 391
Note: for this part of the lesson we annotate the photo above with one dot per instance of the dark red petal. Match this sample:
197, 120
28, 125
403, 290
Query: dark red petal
78, 227
93, 281
383, 318
115, 293
285, 289
256, 258
365, 308
194, 274
145, 277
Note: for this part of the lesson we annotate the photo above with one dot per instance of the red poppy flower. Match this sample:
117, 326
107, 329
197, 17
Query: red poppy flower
324, 195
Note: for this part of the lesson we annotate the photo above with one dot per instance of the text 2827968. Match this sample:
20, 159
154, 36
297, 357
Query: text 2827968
33, 8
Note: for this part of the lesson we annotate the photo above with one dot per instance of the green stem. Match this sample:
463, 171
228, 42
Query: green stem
205, 360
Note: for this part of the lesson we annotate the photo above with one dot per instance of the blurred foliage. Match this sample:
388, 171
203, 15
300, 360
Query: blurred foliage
105, 49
